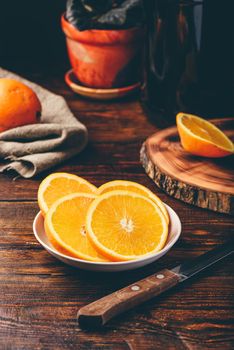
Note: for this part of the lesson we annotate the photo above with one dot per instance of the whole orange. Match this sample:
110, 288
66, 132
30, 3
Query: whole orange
19, 105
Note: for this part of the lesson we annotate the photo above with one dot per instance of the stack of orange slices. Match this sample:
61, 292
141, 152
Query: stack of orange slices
119, 221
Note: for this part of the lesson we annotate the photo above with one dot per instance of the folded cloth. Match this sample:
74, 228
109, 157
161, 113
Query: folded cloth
31, 149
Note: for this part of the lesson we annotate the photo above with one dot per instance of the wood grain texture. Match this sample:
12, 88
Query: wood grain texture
206, 183
104, 309
40, 296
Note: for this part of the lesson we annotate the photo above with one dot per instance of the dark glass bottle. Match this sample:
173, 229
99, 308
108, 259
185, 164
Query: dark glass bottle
189, 58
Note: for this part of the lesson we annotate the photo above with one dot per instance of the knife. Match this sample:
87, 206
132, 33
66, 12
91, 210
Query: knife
104, 309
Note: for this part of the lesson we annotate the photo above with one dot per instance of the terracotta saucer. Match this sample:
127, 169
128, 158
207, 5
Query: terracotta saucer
98, 94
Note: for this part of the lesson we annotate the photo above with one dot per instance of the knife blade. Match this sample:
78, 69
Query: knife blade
101, 311
196, 265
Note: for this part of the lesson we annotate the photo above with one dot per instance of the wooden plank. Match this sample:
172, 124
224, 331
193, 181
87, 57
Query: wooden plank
40, 296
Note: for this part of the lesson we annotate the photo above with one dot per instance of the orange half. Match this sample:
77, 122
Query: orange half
202, 138
124, 225
65, 226
133, 187
58, 185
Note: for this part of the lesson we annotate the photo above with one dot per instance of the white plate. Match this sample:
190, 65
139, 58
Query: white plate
174, 234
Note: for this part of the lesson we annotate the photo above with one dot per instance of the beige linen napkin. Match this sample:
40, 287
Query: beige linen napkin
31, 149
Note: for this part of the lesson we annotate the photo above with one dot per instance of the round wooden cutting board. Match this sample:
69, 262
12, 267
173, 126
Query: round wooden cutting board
204, 182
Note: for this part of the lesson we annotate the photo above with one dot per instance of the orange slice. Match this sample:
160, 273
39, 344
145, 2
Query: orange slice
202, 138
57, 185
65, 226
124, 225
133, 187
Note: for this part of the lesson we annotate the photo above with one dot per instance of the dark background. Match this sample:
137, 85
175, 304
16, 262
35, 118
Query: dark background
31, 41
30, 35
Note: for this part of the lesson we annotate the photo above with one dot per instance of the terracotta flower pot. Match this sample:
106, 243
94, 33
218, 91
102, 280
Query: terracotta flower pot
104, 58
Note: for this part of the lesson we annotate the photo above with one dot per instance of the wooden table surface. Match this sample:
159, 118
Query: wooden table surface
40, 296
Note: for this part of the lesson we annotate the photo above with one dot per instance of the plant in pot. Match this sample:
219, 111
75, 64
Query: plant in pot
104, 41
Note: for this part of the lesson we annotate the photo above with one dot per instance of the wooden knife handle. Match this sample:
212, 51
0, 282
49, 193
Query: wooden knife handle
102, 310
